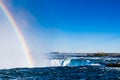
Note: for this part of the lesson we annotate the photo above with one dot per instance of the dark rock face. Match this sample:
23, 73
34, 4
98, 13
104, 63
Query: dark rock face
62, 73
113, 65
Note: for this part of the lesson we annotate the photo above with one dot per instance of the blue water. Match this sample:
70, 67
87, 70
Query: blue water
61, 73
84, 72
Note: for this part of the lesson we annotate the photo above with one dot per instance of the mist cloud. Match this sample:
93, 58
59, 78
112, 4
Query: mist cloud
11, 53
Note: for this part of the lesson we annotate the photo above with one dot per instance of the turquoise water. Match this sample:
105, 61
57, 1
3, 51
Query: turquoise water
89, 61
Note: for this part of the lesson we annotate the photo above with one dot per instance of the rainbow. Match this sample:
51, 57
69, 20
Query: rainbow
18, 34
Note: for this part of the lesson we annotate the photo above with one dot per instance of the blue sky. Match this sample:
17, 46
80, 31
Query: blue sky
71, 25
74, 15
59, 25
